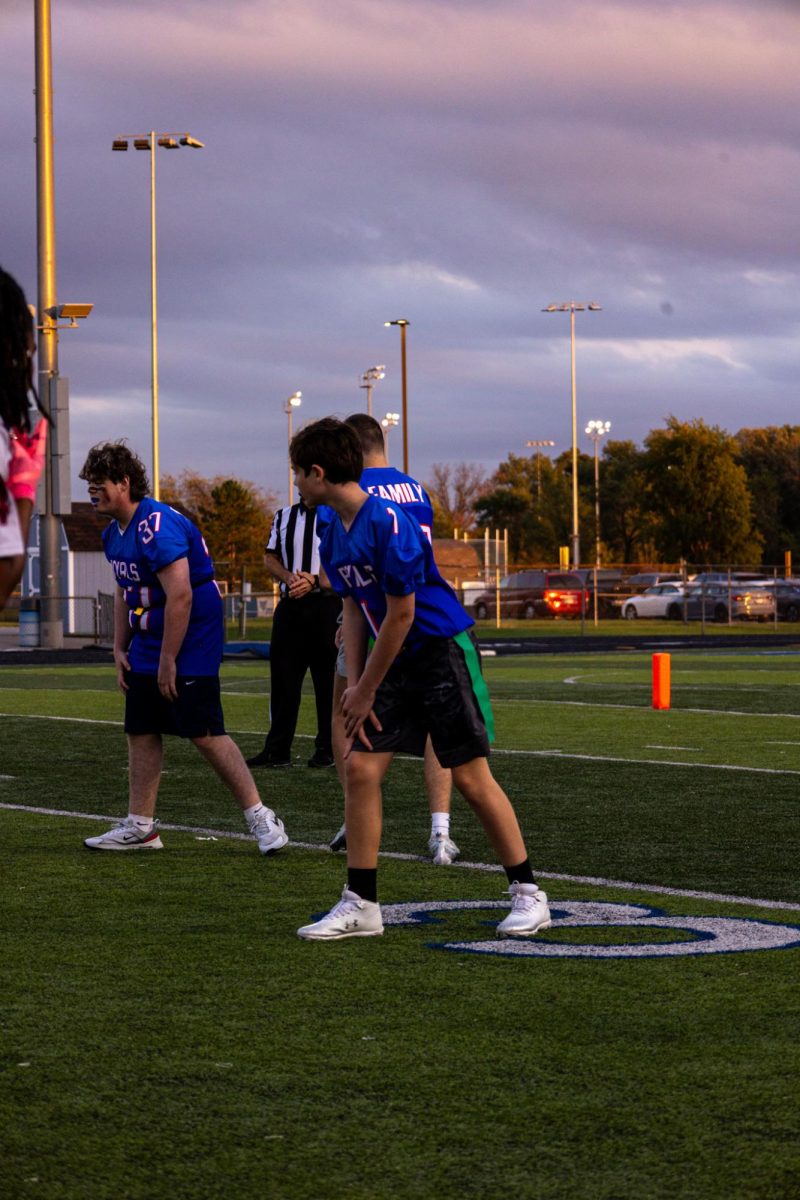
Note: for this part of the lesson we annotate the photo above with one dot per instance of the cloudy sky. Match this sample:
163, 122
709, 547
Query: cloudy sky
459, 163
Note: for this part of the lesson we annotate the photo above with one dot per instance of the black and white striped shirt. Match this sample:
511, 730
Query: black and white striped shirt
293, 538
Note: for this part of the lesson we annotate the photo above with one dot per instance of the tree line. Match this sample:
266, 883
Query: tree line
691, 491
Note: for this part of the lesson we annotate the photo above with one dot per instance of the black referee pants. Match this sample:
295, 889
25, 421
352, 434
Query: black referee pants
303, 639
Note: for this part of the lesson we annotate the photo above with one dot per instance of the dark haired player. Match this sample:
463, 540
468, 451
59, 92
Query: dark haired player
168, 637
421, 678
379, 479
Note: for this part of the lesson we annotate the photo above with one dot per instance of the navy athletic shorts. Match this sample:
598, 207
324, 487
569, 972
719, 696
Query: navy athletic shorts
437, 690
196, 713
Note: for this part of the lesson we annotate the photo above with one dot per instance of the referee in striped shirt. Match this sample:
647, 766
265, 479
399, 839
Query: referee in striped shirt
303, 637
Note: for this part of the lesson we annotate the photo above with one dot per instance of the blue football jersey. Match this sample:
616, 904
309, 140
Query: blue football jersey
156, 536
387, 483
384, 552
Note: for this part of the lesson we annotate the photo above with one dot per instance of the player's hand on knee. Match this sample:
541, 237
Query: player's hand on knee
357, 708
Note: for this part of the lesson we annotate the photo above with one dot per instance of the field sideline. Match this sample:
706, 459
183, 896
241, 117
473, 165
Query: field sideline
165, 1034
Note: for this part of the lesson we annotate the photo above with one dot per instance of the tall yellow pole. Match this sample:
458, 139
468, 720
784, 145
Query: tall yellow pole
52, 625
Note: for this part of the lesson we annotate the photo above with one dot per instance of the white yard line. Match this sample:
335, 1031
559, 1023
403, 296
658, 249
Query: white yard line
611, 758
593, 880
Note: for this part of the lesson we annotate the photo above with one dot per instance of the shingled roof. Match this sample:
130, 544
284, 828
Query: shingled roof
84, 528
457, 561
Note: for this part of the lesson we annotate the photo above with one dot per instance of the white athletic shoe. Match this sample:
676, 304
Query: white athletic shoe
442, 849
339, 840
126, 836
268, 831
529, 912
351, 917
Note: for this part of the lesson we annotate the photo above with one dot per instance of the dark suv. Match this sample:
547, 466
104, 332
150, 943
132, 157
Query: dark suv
534, 593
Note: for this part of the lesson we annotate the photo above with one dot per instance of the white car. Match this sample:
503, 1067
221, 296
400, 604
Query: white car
662, 600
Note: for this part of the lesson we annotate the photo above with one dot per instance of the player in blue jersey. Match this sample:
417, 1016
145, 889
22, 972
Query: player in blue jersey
168, 637
421, 678
379, 479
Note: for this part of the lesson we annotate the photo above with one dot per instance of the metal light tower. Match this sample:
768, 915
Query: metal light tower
403, 325
573, 306
294, 401
596, 431
389, 421
149, 141
538, 447
368, 380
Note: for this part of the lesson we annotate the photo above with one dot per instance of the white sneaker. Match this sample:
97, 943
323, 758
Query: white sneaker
339, 840
442, 849
268, 831
351, 917
126, 836
529, 912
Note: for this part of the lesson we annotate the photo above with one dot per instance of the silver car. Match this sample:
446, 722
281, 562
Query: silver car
655, 602
714, 601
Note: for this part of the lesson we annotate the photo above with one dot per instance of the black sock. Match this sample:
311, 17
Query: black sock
364, 882
522, 873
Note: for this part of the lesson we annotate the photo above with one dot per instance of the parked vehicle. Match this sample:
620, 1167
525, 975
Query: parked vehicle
787, 597
713, 601
609, 580
634, 585
534, 593
654, 602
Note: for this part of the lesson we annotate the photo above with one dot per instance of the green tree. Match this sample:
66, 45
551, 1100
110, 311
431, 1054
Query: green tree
531, 497
625, 518
699, 496
234, 516
454, 490
771, 459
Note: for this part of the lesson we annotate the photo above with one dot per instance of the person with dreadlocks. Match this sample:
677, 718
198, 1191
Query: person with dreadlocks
22, 441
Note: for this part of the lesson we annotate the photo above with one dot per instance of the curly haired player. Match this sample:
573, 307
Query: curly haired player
168, 636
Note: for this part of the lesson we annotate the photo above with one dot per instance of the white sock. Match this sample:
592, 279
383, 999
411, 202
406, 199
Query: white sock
251, 814
440, 823
143, 824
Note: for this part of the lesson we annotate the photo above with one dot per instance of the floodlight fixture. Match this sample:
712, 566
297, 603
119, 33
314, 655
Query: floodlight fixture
168, 143
67, 312
119, 144
187, 140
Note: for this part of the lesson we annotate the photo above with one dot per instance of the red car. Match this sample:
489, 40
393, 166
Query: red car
535, 593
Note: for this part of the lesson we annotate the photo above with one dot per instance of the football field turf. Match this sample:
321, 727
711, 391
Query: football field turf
166, 1034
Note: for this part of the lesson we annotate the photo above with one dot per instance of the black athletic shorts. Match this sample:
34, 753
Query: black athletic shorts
437, 690
196, 713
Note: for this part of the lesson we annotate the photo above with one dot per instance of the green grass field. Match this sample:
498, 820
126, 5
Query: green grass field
165, 1033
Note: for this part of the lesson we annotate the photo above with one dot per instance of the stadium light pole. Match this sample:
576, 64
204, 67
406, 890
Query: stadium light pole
573, 306
148, 142
389, 421
538, 446
368, 380
294, 401
403, 325
52, 624
596, 431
